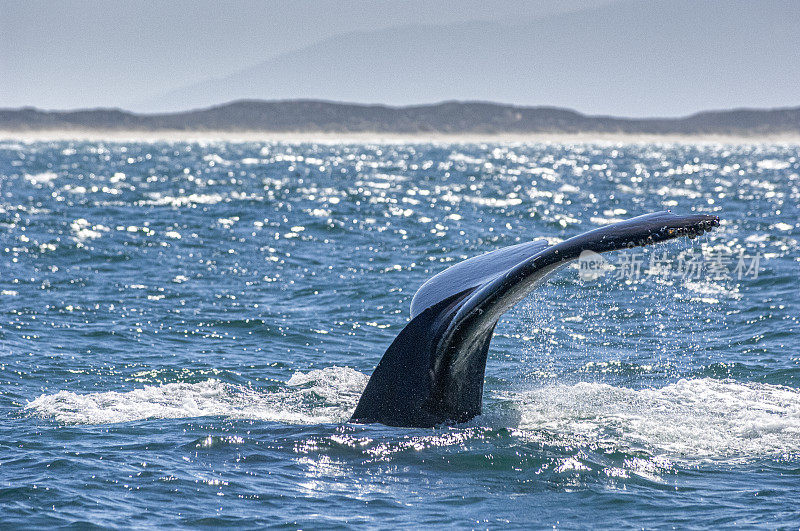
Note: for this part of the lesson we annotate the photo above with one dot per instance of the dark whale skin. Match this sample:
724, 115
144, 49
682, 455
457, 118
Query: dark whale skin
433, 371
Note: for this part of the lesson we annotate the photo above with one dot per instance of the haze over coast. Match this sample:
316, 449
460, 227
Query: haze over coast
320, 119
635, 58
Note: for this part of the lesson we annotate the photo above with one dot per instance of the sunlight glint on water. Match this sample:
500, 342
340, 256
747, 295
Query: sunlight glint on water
186, 328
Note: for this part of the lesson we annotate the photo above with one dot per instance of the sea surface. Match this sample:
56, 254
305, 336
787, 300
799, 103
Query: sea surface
185, 328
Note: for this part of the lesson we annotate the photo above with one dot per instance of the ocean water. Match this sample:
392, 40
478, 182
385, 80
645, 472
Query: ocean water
186, 327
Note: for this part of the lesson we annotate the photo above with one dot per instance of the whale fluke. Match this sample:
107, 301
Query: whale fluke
433, 371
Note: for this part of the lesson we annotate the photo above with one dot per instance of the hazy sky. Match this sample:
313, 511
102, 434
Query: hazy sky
59, 54
89, 53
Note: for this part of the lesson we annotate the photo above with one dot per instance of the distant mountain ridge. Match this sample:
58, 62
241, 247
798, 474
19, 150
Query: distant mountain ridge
312, 116
625, 58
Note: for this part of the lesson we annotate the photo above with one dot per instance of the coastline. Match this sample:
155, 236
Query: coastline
385, 138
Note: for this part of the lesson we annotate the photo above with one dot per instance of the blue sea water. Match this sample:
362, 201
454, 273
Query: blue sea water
185, 328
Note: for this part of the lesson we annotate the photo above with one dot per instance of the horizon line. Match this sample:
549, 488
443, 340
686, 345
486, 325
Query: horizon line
392, 107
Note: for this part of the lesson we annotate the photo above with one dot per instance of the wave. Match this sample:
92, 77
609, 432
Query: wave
319, 396
691, 419
699, 418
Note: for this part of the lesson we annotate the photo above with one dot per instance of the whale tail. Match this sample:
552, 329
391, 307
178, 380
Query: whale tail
433, 371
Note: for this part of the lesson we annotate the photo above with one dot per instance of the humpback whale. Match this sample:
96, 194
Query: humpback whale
433, 372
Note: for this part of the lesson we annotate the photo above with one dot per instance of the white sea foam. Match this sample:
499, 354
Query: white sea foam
327, 395
699, 419
692, 419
